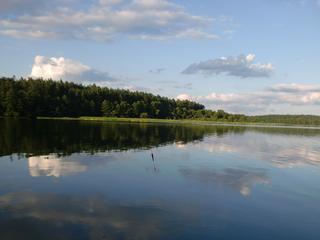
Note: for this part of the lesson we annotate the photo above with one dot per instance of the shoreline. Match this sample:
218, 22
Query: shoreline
181, 121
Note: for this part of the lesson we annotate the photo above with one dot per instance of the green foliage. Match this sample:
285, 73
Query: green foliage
106, 108
47, 98
37, 97
144, 115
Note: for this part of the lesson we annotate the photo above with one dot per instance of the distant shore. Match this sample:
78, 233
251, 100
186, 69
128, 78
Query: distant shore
181, 121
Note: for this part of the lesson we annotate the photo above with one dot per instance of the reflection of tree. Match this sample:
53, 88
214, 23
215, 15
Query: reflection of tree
241, 180
52, 216
43, 136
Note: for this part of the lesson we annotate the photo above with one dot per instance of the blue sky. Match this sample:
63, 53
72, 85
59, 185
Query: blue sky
250, 56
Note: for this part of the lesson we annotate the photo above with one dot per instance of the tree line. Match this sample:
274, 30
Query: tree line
47, 98
37, 97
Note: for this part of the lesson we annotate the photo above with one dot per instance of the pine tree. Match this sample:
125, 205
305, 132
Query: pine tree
106, 108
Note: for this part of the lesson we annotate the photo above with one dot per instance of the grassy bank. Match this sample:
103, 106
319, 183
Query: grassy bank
182, 121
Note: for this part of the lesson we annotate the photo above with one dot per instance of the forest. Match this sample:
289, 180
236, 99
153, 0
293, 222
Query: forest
47, 98
32, 98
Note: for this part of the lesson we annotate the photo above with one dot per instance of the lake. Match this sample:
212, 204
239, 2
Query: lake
98, 180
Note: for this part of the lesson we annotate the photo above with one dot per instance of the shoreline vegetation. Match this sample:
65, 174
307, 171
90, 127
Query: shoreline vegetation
38, 98
180, 121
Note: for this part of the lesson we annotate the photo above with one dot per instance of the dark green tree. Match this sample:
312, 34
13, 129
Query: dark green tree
106, 108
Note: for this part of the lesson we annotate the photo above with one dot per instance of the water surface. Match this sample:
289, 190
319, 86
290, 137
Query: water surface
87, 180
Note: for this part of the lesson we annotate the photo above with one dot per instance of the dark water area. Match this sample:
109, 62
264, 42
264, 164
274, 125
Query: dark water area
98, 180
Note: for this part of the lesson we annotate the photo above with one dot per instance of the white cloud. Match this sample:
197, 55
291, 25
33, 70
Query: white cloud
57, 68
183, 97
66, 69
240, 66
107, 20
28, 34
275, 98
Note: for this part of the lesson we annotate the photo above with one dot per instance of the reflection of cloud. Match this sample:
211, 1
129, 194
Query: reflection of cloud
52, 165
237, 179
101, 219
298, 156
212, 148
280, 150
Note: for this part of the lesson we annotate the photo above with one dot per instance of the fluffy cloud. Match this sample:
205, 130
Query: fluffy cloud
66, 69
264, 101
105, 20
239, 66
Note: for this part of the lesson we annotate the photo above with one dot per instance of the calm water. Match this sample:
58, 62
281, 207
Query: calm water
82, 180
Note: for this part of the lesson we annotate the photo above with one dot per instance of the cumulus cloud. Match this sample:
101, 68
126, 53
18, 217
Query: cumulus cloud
240, 66
106, 20
263, 101
66, 69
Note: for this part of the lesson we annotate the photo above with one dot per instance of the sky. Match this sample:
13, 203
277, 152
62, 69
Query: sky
248, 56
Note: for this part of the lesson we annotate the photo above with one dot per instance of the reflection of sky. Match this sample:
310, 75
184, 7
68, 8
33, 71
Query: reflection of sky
53, 165
101, 219
244, 181
237, 179
279, 150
